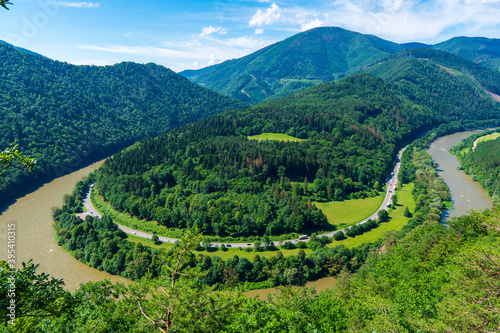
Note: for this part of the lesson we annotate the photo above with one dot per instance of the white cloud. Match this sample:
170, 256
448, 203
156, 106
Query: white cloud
402, 20
480, 2
272, 14
212, 60
207, 31
79, 4
313, 24
259, 31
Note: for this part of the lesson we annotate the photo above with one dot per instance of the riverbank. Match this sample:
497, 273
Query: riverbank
466, 193
35, 238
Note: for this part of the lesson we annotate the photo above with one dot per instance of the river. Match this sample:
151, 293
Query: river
465, 192
35, 237
35, 234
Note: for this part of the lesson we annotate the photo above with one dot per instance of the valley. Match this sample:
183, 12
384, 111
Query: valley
320, 160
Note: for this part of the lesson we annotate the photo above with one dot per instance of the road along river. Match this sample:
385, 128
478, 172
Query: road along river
465, 192
392, 184
34, 234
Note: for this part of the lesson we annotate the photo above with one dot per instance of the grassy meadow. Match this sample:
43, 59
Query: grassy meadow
274, 136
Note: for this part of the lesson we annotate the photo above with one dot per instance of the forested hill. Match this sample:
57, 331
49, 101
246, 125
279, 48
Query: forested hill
65, 115
320, 55
303, 60
481, 50
451, 87
210, 174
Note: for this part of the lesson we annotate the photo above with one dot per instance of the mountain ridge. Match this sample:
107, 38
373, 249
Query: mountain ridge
66, 115
320, 55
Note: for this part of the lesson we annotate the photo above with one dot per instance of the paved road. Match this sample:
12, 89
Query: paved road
392, 183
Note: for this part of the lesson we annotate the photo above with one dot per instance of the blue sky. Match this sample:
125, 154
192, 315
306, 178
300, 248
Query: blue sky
191, 34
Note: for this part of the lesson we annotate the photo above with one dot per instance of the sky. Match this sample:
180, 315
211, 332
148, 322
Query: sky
192, 34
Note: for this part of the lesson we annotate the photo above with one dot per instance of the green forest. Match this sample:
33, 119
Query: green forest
431, 279
66, 116
194, 163
100, 244
211, 176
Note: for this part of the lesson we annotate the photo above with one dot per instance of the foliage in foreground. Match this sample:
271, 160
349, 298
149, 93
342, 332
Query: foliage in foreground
433, 279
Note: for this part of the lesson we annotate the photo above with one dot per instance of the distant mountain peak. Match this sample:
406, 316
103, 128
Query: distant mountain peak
319, 55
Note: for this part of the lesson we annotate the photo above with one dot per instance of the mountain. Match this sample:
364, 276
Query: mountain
451, 87
66, 116
483, 51
320, 55
348, 133
303, 60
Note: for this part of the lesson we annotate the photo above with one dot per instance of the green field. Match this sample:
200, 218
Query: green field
274, 136
489, 137
396, 222
242, 253
349, 212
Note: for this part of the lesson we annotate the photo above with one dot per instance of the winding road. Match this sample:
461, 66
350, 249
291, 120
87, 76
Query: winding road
392, 183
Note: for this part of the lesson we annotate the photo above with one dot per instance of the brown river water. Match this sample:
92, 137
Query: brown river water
34, 233
465, 192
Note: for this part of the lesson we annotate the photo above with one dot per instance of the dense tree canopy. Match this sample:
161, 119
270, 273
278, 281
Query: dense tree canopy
211, 175
65, 116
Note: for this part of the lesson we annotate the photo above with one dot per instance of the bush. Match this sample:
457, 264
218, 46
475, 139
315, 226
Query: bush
339, 236
288, 245
156, 239
301, 245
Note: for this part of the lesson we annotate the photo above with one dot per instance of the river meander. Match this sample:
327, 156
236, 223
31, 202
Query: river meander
35, 234
465, 192
35, 237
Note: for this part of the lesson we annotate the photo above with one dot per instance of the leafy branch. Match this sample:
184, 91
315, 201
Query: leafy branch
4, 3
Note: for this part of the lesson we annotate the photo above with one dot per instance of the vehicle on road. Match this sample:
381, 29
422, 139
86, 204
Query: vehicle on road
303, 237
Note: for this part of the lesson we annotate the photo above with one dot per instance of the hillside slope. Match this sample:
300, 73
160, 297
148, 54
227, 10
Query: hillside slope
65, 115
320, 55
210, 174
303, 60
481, 50
451, 87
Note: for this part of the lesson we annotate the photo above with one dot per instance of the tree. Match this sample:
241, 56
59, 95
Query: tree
12, 157
339, 236
406, 212
4, 3
394, 200
156, 239
33, 296
383, 215
177, 301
